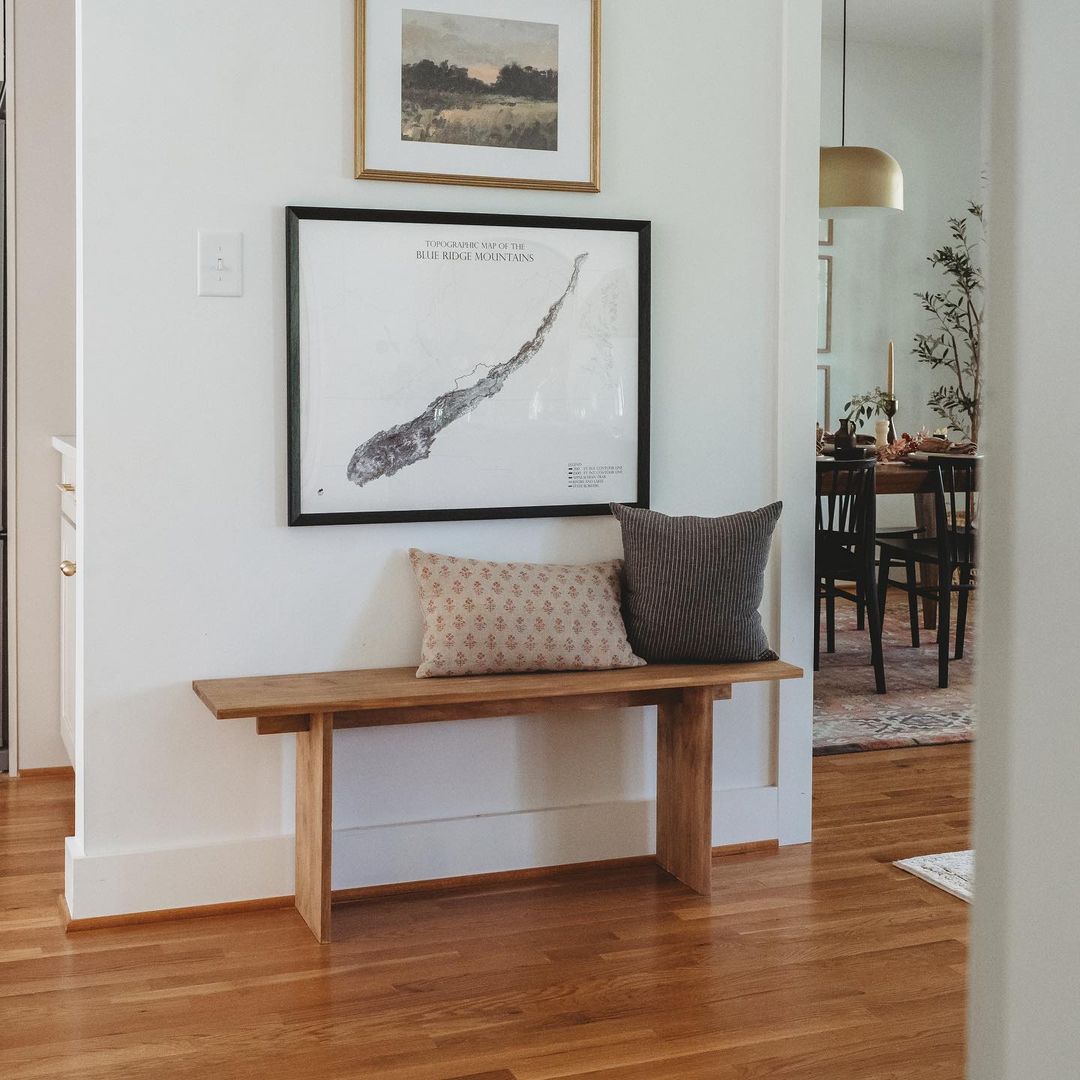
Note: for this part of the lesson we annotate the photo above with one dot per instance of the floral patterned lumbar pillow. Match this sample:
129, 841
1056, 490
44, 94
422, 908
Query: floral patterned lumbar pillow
486, 618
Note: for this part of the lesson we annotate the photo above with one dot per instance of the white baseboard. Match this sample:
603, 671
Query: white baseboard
118, 884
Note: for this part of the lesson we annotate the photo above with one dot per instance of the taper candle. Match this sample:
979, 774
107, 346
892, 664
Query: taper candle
892, 372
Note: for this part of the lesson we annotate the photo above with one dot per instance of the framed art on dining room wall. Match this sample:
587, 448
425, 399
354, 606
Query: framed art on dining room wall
825, 301
462, 366
824, 395
495, 93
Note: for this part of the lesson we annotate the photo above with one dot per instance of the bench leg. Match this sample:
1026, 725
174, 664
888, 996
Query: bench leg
314, 830
684, 734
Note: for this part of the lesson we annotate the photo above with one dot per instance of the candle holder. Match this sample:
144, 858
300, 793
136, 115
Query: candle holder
888, 407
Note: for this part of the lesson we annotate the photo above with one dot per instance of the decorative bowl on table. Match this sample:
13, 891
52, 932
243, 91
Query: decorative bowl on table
852, 453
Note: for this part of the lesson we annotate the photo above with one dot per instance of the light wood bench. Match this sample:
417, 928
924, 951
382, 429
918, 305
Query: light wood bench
314, 706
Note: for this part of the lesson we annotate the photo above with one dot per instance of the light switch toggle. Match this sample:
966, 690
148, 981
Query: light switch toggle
220, 264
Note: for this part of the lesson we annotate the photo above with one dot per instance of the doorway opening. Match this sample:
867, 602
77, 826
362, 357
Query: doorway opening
900, 308
37, 410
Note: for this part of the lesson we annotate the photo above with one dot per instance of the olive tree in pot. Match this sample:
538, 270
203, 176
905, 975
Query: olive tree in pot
955, 340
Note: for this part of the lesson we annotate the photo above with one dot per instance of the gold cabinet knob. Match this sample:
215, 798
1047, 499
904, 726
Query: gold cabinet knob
67, 568
67, 489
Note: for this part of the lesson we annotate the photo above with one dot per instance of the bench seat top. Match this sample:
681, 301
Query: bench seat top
399, 688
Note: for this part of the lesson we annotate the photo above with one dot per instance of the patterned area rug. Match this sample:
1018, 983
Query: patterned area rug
850, 717
953, 871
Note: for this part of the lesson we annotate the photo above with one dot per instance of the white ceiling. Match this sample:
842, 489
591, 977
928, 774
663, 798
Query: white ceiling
930, 24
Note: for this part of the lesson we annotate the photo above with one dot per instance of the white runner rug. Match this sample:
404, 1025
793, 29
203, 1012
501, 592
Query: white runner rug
953, 871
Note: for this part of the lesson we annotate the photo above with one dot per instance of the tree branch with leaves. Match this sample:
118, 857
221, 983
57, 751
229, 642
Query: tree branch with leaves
954, 342
863, 406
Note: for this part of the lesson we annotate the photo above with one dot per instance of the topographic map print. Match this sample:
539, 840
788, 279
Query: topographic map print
451, 367
405, 444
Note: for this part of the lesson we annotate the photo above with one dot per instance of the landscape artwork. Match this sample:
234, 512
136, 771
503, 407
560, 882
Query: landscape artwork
479, 81
456, 366
490, 93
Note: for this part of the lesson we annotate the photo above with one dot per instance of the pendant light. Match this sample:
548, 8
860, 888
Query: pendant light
855, 181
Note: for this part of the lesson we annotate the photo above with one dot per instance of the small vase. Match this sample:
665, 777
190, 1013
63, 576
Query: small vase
881, 433
844, 440
845, 435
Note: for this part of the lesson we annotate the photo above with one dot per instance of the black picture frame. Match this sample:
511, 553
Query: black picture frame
294, 215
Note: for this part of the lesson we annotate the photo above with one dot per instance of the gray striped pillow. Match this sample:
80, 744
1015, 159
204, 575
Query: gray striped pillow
694, 584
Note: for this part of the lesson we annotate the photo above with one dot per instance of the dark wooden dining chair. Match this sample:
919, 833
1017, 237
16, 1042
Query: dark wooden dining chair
844, 551
905, 531
954, 484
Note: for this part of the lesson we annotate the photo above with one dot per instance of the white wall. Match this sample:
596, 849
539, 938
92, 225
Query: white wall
1026, 940
43, 282
217, 115
924, 106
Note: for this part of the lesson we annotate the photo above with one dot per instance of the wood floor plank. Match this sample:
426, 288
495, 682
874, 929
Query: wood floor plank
810, 962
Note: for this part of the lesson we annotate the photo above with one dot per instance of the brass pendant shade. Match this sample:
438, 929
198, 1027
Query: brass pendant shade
855, 179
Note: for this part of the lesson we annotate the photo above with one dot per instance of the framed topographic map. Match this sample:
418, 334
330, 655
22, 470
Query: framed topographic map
449, 366
499, 93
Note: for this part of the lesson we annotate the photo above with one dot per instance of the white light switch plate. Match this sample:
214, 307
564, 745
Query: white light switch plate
220, 264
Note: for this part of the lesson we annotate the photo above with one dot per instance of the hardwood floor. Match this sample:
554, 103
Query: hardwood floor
812, 963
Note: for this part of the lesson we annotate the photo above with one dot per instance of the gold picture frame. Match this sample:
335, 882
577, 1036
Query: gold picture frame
363, 171
824, 395
825, 300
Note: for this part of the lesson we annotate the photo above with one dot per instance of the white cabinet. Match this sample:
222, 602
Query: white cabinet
68, 568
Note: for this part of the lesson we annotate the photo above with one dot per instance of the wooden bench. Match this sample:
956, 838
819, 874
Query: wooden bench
314, 706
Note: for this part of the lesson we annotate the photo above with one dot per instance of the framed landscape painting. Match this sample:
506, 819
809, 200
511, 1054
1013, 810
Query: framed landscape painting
499, 93
453, 366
